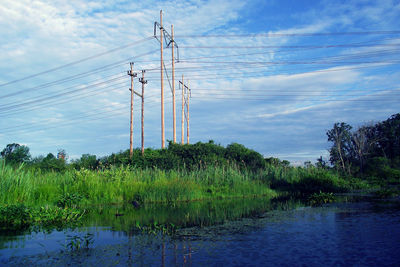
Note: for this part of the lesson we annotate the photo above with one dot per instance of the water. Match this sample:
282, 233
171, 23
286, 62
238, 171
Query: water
223, 233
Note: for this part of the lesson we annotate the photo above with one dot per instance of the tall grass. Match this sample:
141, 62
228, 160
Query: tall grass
123, 184
309, 180
126, 183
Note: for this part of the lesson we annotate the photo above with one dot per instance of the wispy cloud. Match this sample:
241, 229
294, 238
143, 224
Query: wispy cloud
278, 109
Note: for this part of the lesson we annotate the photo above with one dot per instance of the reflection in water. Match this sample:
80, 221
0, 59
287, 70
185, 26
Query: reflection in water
255, 232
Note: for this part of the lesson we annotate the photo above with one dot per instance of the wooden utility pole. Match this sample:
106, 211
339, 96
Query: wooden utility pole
173, 84
165, 36
133, 75
187, 123
162, 84
183, 112
143, 81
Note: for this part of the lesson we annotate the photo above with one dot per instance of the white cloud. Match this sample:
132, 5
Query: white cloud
41, 35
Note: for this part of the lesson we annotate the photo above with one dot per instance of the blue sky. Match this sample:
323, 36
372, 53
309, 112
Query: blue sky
272, 75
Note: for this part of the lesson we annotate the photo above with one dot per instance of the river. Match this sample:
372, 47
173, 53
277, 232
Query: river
242, 232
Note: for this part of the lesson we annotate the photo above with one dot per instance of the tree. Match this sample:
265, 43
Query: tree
50, 162
340, 152
321, 163
388, 133
15, 153
61, 154
363, 141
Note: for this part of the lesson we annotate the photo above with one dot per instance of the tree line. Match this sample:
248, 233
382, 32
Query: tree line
371, 150
175, 156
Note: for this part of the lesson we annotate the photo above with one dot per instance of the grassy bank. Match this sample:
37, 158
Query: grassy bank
125, 184
56, 198
306, 181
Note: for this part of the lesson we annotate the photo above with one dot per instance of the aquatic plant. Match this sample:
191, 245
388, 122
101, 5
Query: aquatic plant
321, 198
69, 200
126, 184
155, 228
77, 242
19, 217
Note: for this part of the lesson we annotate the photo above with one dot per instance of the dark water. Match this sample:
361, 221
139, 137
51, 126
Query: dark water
225, 233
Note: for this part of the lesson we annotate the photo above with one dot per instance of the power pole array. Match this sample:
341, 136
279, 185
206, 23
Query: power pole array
133, 75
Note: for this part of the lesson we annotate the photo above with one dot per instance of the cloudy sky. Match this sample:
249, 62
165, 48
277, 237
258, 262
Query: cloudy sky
272, 75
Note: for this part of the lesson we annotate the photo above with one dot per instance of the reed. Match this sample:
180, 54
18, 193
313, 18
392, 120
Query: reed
125, 183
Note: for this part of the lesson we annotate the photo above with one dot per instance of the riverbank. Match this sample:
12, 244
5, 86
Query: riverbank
69, 193
126, 184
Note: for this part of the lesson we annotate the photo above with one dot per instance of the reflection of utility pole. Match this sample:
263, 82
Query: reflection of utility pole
133, 75
163, 252
143, 81
164, 36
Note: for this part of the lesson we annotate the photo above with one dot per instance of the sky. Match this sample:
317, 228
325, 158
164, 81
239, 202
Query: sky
272, 75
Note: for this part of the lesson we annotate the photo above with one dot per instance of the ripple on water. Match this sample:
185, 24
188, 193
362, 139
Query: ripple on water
345, 234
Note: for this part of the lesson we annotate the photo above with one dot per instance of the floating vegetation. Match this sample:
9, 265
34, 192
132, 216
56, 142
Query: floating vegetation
76, 242
321, 198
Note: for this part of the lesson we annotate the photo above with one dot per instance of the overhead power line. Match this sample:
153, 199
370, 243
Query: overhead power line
77, 61
271, 34
290, 46
91, 117
75, 76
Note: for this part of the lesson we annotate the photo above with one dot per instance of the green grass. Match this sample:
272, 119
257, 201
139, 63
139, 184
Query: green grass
20, 217
306, 181
124, 184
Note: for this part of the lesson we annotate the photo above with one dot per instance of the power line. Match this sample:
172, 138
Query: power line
32, 127
76, 76
12, 106
291, 46
76, 62
241, 75
291, 34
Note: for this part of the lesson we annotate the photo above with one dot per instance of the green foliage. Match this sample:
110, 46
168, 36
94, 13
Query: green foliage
15, 154
125, 184
19, 217
340, 152
189, 157
14, 217
306, 181
77, 242
321, 198
379, 171
86, 161
155, 228
49, 163
245, 157
69, 200
371, 151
